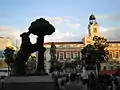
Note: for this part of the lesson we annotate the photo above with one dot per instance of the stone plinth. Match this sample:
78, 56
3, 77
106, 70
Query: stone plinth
28, 83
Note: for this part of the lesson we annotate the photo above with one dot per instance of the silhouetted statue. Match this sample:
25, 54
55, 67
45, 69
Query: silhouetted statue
53, 60
23, 54
41, 27
53, 51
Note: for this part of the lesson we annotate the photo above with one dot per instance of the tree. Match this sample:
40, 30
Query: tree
9, 57
95, 54
100, 45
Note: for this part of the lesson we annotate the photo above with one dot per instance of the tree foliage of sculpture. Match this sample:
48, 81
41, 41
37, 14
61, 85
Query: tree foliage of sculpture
95, 54
41, 27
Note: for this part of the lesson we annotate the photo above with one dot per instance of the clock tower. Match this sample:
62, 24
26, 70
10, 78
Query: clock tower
93, 27
93, 30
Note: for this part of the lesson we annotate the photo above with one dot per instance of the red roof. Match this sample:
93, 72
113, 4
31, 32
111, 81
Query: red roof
108, 72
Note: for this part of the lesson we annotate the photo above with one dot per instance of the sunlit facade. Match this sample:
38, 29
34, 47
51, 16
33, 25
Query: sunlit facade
68, 50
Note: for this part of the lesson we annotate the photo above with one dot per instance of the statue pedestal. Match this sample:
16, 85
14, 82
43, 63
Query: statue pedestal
28, 83
38, 74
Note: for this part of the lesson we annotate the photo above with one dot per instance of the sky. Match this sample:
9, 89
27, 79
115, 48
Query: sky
69, 17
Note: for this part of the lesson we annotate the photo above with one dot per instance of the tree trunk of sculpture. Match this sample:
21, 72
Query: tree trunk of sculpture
8, 70
40, 64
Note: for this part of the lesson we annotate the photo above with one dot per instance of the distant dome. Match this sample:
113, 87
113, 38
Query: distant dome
92, 17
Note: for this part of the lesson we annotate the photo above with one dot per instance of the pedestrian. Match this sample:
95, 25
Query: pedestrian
73, 85
92, 81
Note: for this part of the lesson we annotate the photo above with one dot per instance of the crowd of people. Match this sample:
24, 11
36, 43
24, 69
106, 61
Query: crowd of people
85, 81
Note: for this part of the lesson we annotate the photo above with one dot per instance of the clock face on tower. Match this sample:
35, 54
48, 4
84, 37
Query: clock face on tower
94, 30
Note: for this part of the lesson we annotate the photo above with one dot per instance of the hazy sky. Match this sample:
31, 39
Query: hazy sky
70, 17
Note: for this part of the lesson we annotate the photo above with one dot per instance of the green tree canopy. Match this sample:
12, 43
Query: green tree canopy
9, 56
96, 52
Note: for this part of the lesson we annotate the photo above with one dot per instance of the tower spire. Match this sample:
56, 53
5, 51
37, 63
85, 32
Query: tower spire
92, 19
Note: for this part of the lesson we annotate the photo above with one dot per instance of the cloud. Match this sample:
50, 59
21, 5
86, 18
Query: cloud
61, 24
75, 25
60, 36
70, 21
54, 20
59, 19
9, 32
12, 33
115, 17
103, 29
112, 33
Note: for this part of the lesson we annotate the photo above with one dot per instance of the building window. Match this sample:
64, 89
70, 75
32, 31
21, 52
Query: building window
104, 67
111, 67
68, 55
75, 56
79, 55
110, 45
57, 55
113, 45
67, 45
118, 66
61, 56
64, 55
61, 45
75, 45
116, 55
110, 55
116, 44
111, 63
